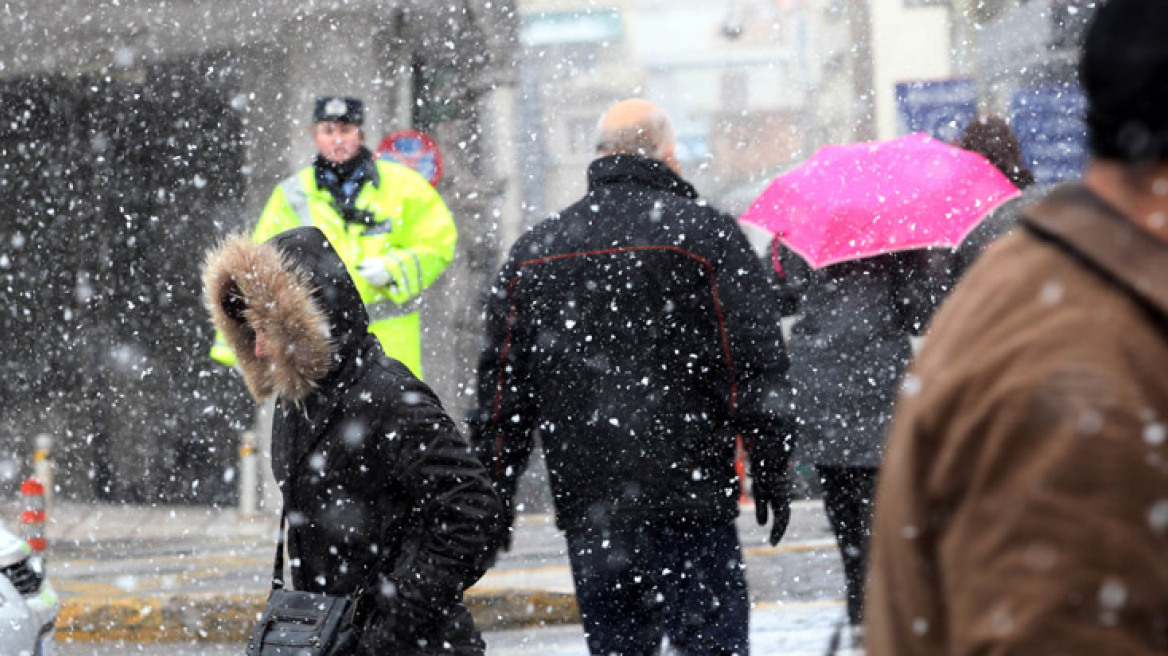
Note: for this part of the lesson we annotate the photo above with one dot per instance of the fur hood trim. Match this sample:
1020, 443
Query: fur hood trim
247, 284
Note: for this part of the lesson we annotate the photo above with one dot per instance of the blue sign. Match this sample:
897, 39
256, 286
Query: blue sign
939, 108
1048, 120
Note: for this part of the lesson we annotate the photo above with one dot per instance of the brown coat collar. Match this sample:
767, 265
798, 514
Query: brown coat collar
1101, 237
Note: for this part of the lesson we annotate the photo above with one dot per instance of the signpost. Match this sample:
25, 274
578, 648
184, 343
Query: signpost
415, 150
939, 108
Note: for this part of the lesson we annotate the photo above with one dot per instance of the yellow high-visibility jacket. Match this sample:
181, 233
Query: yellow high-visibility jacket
412, 233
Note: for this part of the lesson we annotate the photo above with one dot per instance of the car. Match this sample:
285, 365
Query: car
28, 603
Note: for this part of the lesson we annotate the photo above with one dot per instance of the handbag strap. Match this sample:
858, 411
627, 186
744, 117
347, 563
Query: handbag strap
278, 569
278, 566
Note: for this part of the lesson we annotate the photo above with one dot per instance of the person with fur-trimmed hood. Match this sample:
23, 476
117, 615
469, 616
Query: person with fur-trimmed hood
381, 491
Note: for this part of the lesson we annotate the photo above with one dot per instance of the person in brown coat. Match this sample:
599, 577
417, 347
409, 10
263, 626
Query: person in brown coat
1023, 502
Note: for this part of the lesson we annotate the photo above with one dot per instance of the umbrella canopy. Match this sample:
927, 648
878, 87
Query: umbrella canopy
864, 199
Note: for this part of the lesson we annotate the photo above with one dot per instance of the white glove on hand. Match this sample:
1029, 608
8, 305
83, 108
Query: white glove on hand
375, 272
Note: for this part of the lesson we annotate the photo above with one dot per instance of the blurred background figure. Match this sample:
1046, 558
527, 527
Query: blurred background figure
1023, 504
389, 226
991, 137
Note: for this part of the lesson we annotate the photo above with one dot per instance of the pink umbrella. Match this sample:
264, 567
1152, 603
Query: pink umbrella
863, 199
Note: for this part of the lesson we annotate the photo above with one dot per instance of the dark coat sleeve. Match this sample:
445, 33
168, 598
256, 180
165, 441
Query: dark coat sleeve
751, 311
502, 425
452, 518
792, 276
919, 283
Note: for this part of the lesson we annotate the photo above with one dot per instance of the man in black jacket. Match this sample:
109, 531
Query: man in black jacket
635, 332
381, 492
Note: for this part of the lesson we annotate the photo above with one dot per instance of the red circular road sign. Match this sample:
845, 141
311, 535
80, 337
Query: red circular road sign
415, 150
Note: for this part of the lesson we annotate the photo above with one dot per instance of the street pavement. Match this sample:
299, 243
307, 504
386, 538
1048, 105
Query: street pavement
795, 630
196, 577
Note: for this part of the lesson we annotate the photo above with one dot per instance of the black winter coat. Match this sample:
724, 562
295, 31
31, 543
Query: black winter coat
380, 490
636, 333
850, 347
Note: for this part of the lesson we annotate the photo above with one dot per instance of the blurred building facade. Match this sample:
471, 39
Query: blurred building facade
135, 136
736, 76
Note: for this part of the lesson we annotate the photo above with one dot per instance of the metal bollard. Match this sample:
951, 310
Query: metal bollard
32, 518
248, 474
43, 466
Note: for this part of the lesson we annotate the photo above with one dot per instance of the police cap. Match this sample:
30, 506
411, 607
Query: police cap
339, 109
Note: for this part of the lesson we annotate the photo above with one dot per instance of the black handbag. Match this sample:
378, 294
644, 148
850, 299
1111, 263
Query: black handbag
298, 623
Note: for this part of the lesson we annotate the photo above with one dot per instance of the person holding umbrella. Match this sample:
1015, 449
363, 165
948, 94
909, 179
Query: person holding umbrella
850, 255
849, 348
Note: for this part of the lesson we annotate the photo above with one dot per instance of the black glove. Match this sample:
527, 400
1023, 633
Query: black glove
385, 630
501, 540
776, 496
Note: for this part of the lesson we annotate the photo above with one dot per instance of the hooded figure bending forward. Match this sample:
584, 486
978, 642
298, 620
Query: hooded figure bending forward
381, 491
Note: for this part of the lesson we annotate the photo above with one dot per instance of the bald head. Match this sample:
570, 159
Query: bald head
636, 127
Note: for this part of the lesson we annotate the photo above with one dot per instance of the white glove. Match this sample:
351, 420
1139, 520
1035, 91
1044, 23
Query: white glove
375, 272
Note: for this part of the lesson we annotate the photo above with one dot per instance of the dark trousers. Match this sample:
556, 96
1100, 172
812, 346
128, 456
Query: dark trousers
635, 587
849, 496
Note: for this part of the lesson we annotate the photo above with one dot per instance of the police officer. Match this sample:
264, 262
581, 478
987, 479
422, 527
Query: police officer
390, 227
